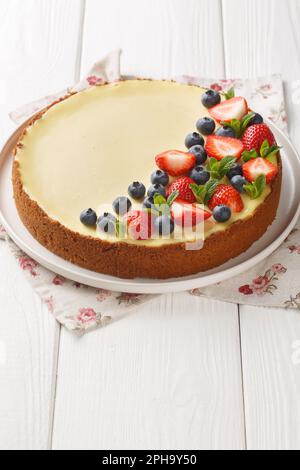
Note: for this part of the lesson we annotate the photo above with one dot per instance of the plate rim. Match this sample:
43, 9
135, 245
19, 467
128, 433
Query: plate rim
153, 286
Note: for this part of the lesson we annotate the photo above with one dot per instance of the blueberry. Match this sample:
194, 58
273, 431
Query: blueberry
222, 213
160, 177
122, 205
164, 225
235, 170
211, 98
200, 154
257, 119
193, 139
238, 183
148, 203
206, 126
88, 217
226, 131
107, 223
137, 190
199, 175
156, 189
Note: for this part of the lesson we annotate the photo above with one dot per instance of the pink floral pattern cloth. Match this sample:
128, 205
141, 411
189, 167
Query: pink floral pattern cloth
274, 282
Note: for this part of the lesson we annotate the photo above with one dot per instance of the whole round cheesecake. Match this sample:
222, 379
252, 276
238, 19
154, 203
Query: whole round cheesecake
147, 178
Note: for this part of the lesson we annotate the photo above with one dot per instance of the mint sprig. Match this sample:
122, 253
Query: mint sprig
229, 94
239, 125
249, 155
204, 193
219, 169
255, 190
162, 205
265, 151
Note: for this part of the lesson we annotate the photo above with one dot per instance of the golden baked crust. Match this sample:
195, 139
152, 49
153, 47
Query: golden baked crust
132, 260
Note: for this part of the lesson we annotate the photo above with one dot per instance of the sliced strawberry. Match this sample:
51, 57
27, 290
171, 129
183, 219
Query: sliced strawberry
188, 215
219, 147
183, 186
260, 166
255, 135
227, 195
139, 225
235, 108
175, 162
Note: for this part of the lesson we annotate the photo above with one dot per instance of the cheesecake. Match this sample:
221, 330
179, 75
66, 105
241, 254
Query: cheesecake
147, 178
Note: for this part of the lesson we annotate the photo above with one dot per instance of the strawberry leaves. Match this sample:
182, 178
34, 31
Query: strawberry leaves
219, 169
255, 190
204, 193
239, 125
266, 151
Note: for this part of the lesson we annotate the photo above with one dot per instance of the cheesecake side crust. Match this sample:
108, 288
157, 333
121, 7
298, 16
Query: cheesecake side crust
129, 261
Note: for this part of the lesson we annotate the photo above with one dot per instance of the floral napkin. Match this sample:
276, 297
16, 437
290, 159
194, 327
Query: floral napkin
274, 282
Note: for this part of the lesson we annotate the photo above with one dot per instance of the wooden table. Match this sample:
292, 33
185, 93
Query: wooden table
181, 372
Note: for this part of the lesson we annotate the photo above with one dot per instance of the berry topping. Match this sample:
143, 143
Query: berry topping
88, 217
193, 139
156, 189
234, 108
260, 166
122, 205
164, 225
188, 215
139, 225
160, 177
235, 170
107, 223
199, 175
256, 119
175, 162
206, 126
211, 98
226, 195
200, 154
182, 185
148, 203
222, 213
137, 190
238, 182
254, 137
221, 147
226, 131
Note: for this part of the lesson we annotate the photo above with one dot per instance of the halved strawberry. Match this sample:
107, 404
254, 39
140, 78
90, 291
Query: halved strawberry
227, 195
182, 185
175, 162
188, 215
260, 166
139, 225
235, 108
255, 135
219, 147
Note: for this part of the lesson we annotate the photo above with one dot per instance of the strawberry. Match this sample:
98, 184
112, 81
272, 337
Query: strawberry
220, 147
259, 166
234, 108
182, 185
175, 162
255, 135
227, 195
139, 224
188, 215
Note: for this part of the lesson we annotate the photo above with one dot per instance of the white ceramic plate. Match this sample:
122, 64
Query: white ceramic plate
288, 214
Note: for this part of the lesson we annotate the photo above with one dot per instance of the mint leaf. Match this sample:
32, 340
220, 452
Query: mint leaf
219, 169
245, 121
172, 198
229, 94
204, 193
239, 125
255, 190
120, 229
159, 199
265, 148
249, 155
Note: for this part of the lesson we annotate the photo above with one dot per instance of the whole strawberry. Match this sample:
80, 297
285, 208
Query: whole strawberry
182, 185
226, 195
254, 137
